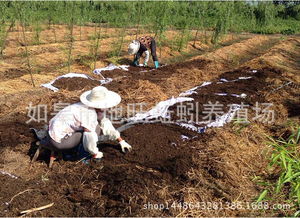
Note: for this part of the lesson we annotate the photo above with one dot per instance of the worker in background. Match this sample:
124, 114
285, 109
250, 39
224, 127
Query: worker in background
141, 45
84, 122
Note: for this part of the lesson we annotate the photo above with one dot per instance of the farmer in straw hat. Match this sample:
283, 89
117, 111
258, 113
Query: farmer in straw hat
140, 46
83, 122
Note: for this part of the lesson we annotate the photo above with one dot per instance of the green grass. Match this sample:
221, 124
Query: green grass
285, 167
287, 27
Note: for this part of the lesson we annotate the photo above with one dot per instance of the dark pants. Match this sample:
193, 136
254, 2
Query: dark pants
143, 49
153, 50
66, 143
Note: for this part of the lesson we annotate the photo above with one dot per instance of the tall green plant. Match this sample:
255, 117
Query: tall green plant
70, 26
139, 13
120, 21
199, 11
4, 35
101, 12
53, 17
161, 22
265, 13
21, 11
224, 20
6, 25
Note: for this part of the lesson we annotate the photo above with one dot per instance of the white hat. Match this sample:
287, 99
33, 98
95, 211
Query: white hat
100, 97
133, 47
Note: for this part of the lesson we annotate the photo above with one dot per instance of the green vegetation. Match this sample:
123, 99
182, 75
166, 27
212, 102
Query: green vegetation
187, 18
70, 20
159, 16
285, 167
22, 15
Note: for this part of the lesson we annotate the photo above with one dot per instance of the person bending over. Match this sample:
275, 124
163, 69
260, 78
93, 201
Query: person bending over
143, 45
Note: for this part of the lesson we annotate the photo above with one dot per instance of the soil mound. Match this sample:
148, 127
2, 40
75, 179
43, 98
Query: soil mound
120, 184
152, 74
13, 73
158, 146
72, 84
15, 131
254, 88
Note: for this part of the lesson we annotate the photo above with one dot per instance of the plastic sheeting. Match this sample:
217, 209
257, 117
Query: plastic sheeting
160, 110
110, 67
192, 90
243, 95
222, 80
8, 174
80, 75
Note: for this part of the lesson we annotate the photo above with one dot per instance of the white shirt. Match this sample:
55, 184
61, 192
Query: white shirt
72, 118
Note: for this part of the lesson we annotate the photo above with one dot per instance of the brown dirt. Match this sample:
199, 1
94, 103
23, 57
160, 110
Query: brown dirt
72, 84
13, 73
165, 160
14, 131
48, 59
216, 166
254, 88
159, 169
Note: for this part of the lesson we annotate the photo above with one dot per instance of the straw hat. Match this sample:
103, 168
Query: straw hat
133, 47
100, 97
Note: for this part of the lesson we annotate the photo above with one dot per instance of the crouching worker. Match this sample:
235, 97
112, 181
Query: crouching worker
83, 122
140, 46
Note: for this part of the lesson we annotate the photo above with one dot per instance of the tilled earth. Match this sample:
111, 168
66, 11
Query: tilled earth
160, 168
118, 185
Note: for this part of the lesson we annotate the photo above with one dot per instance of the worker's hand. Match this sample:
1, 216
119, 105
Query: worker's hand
109, 130
97, 157
125, 146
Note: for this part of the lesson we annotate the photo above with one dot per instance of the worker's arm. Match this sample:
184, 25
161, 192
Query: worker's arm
113, 134
139, 54
90, 139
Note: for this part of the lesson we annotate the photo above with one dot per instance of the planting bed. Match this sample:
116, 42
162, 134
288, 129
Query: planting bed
168, 163
72, 84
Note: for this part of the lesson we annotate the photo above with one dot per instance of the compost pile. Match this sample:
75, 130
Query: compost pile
75, 83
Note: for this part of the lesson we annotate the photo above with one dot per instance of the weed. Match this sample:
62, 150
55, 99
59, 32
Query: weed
284, 161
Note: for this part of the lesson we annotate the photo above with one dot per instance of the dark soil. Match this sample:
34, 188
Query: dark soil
255, 89
73, 84
154, 172
152, 74
293, 108
15, 131
13, 73
117, 186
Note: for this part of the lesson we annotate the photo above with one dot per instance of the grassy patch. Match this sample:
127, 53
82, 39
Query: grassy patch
283, 182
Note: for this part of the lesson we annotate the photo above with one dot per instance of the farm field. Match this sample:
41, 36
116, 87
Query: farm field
172, 169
